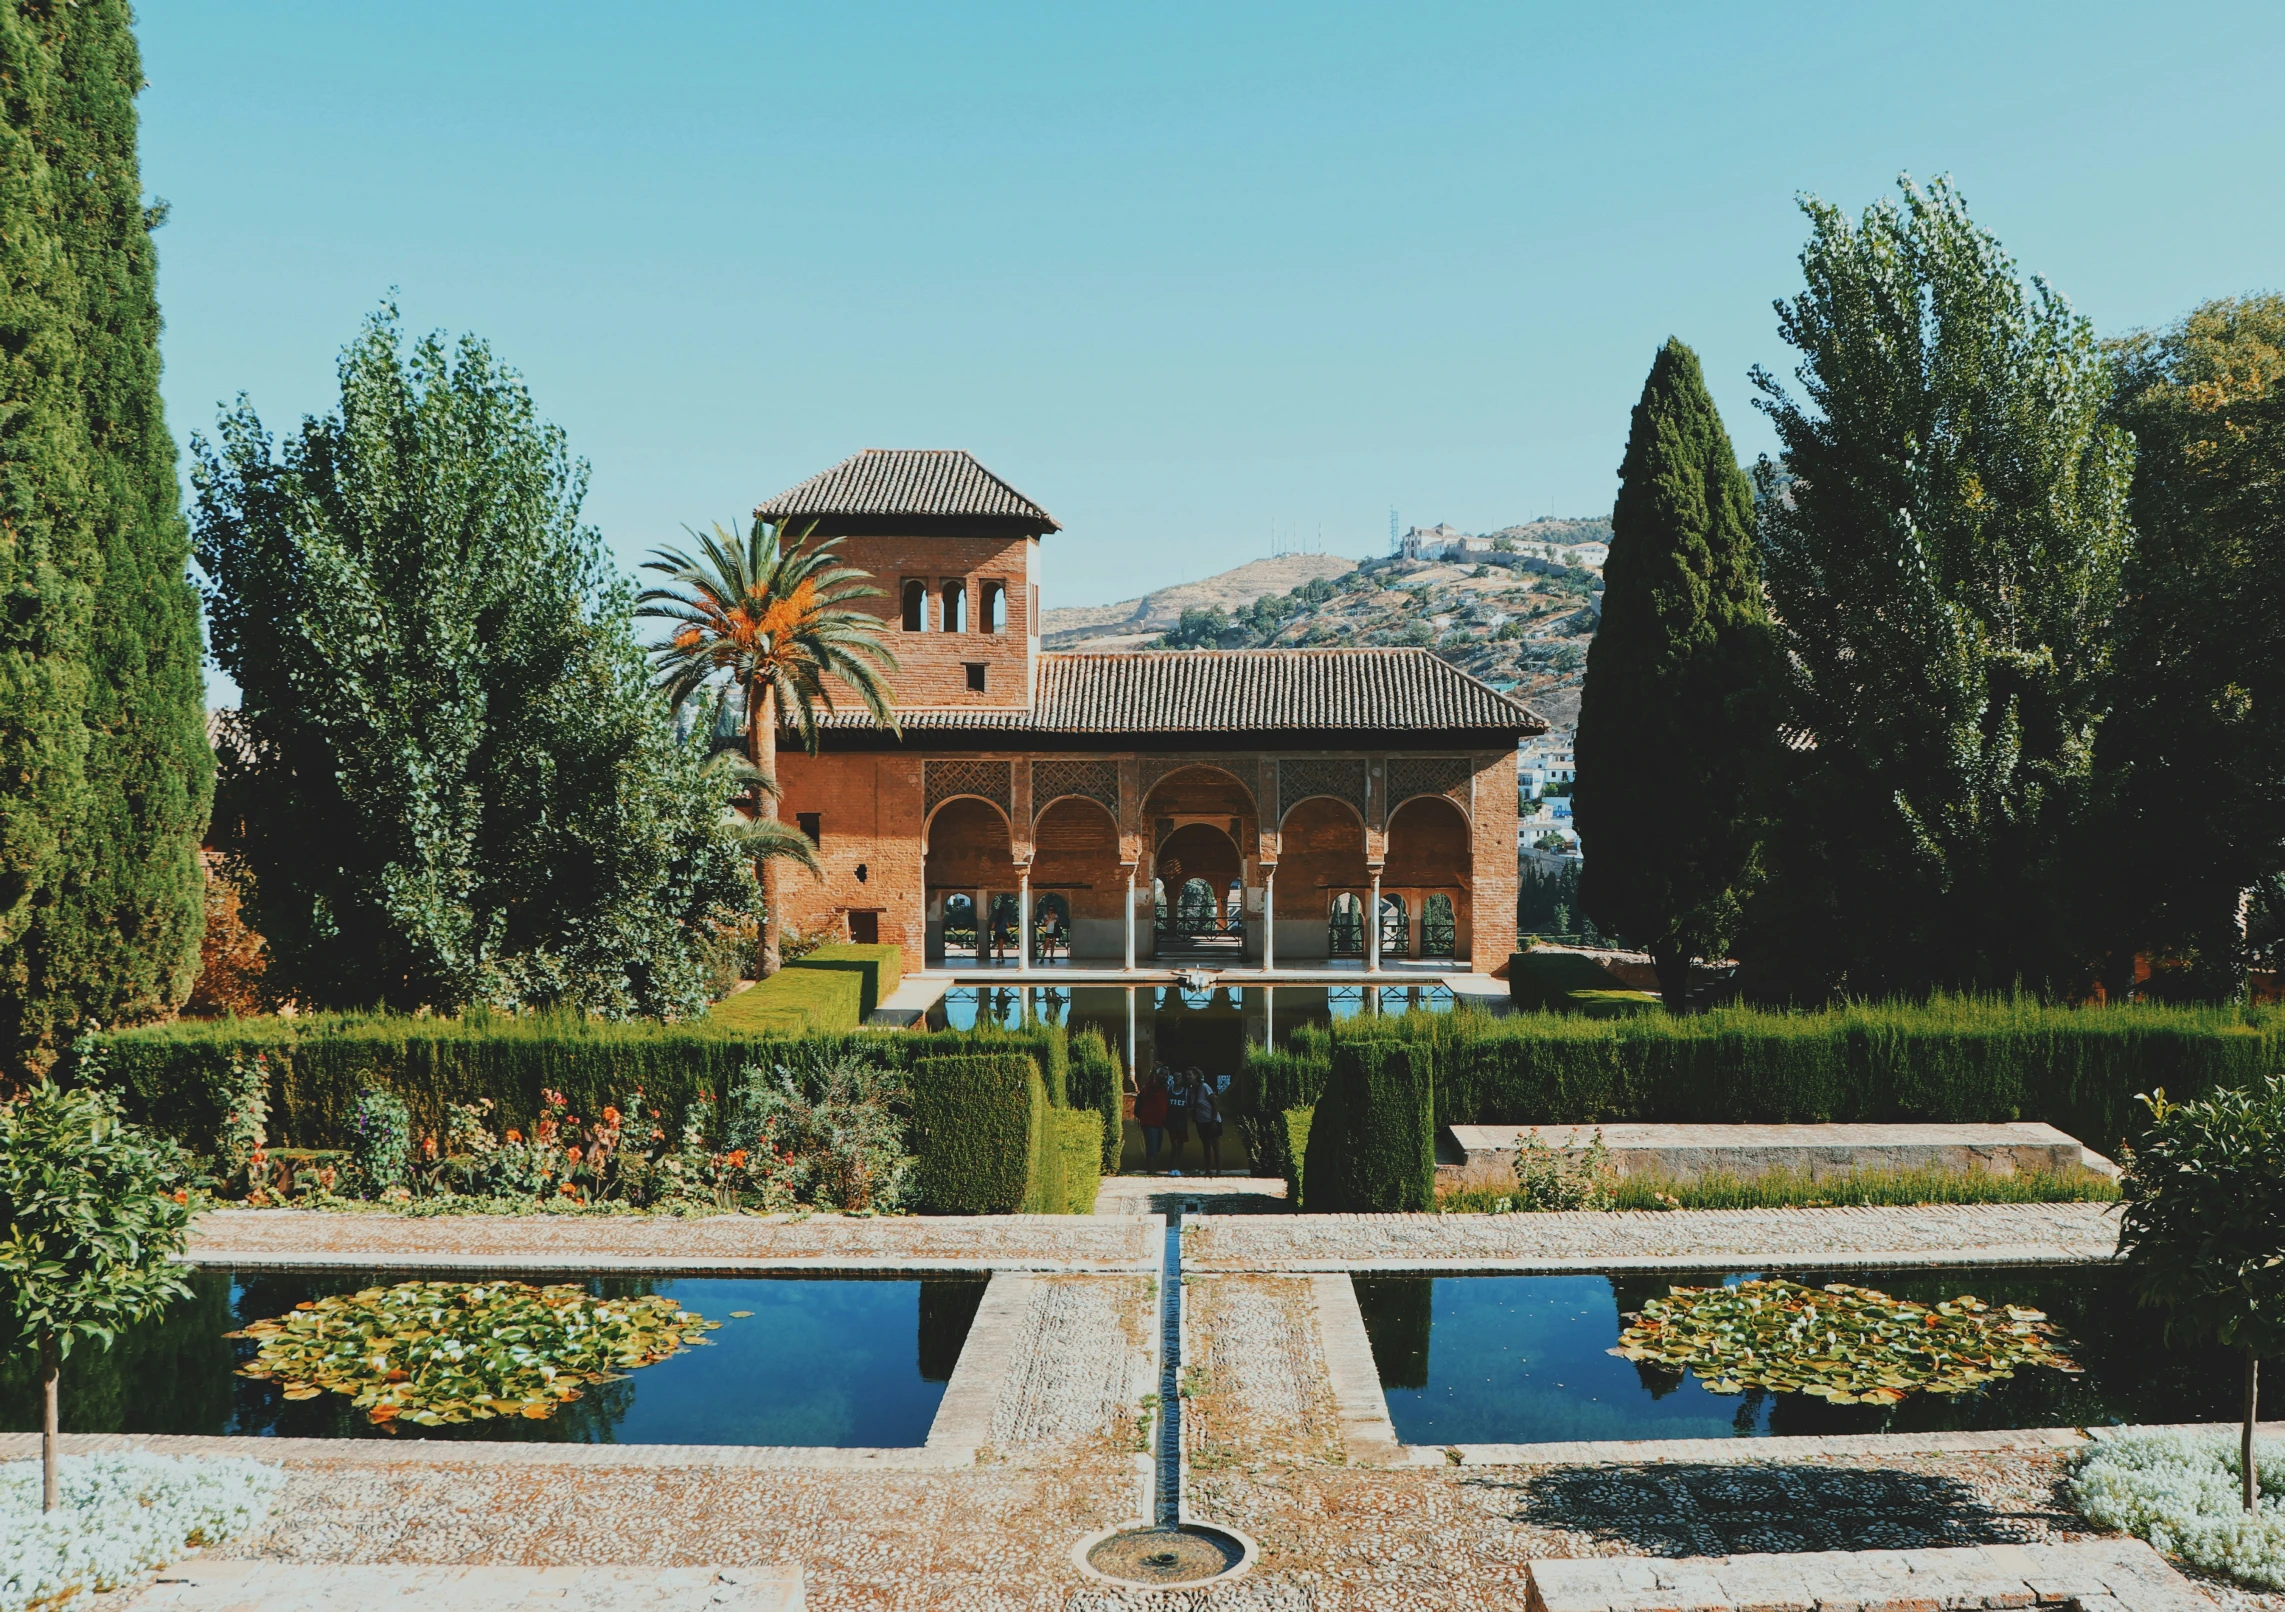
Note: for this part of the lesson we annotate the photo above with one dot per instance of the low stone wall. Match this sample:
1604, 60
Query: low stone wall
1486, 1155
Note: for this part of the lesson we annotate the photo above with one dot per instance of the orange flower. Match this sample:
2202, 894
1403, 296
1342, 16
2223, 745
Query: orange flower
737, 1159
182, 1195
572, 1154
610, 1115
515, 1136
428, 1146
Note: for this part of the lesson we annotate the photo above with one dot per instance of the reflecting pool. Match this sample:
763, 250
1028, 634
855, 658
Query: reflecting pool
1522, 1360
855, 1362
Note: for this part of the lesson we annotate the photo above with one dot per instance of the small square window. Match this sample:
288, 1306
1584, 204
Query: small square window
975, 671
813, 825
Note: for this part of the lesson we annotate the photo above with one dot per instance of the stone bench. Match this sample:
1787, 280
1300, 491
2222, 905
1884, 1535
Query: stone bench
1485, 1155
2100, 1575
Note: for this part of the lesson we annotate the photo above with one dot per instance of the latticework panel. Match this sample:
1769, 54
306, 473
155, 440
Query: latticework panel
1427, 775
1343, 779
1097, 781
992, 780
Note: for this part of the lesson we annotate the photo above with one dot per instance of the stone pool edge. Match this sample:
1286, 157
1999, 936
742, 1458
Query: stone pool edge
1792, 1447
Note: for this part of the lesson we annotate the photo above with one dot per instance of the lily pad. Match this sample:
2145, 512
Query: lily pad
1849, 1345
432, 1353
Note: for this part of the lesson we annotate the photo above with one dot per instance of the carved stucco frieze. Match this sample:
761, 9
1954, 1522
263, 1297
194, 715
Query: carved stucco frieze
990, 780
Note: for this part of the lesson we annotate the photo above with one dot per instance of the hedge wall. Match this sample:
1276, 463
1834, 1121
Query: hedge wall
795, 1001
1098, 1085
1078, 1136
1372, 1139
173, 1076
1963, 1059
980, 1125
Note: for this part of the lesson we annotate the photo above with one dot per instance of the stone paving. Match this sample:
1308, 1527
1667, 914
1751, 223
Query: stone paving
1706, 1239
711, 1244
237, 1586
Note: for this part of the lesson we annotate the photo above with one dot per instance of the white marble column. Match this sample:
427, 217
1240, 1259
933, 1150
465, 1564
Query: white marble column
1023, 916
1373, 927
1269, 919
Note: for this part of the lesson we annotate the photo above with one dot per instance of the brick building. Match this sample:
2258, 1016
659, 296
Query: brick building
1241, 807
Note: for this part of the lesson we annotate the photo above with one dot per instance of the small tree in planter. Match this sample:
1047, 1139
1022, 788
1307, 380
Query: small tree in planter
88, 1222
2204, 1229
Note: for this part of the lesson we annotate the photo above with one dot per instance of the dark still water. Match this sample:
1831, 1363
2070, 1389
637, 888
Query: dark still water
1521, 1360
857, 1363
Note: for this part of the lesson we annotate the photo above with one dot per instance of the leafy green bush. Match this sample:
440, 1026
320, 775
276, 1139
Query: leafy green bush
2203, 1235
979, 1122
381, 1139
1372, 1140
1952, 1058
1098, 1085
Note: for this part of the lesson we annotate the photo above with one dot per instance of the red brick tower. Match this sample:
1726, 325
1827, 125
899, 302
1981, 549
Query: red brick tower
955, 551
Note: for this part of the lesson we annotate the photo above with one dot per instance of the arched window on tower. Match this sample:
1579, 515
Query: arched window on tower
995, 607
916, 606
955, 607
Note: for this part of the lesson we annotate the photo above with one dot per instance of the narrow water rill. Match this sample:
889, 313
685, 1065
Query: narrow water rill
1170, 1551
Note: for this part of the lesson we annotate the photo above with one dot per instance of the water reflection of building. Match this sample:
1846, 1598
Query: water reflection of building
1244, 808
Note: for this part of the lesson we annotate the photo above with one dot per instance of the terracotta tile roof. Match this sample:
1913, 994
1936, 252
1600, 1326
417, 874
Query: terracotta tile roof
1243, 690
932, 482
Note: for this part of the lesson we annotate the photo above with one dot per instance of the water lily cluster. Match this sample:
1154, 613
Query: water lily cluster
120, 1516
1848, 1345
433, 1353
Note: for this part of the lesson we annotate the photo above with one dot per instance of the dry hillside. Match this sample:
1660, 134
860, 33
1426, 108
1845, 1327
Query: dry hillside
1131, 623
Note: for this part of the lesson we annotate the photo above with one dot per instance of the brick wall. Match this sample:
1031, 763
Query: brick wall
932, 665
868, 809
1492, 899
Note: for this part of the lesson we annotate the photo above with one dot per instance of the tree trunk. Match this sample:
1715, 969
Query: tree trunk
2245, 1443
1673, 965
762, 737
50, 1367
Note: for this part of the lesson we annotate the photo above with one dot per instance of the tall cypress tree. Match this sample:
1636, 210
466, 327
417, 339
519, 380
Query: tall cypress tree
1673, 717
45, 558
115, 933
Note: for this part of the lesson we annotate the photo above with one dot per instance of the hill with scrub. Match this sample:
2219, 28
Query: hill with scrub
1520, 617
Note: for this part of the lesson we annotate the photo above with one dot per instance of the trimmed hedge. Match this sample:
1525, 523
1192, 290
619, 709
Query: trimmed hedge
881, 968
981, 1132
1098, 1085
1372, 1140
175, 1077
1952, 1059
796, 1001
1079, 1147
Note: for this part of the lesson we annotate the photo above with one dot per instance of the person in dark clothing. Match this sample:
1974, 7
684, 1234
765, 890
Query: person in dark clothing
1150, 1114
1206, 1114
1177, 1112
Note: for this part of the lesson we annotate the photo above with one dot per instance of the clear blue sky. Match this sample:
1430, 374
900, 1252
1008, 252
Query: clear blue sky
1176, 271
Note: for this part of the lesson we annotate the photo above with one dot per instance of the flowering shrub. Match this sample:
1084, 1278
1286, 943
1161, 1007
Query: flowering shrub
381, 1130
826, 1129
120, 1516
2184, 1493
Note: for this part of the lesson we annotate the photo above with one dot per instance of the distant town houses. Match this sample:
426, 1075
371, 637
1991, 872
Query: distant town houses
1544, 772
1449, 543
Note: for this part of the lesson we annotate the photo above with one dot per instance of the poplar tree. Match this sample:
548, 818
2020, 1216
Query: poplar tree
109, 925
1943, 541
1673, 717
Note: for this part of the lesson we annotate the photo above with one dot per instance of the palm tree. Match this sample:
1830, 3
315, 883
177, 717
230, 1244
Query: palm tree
773, 612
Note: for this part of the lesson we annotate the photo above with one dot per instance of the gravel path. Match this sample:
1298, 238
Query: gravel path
1081, 1366
728, 1243
1691, 1239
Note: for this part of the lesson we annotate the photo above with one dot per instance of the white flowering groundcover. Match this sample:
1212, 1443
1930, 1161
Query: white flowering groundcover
2184, 1493
119, 1516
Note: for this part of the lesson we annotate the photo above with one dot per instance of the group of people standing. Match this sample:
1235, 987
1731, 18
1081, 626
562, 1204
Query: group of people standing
1173, 1102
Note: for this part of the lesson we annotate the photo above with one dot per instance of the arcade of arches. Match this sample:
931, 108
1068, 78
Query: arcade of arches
1261, 861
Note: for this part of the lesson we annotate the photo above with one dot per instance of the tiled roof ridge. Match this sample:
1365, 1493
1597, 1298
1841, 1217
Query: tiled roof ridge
882, 481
